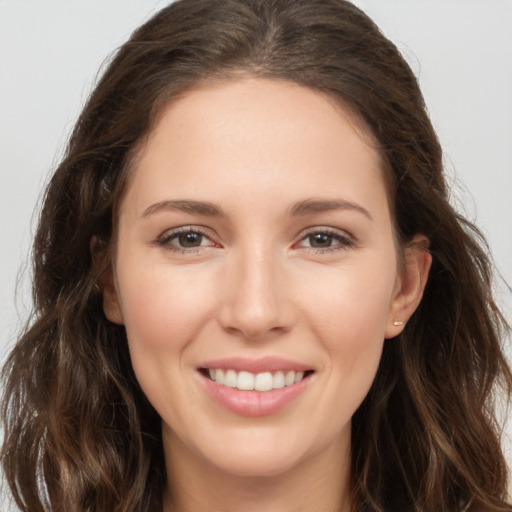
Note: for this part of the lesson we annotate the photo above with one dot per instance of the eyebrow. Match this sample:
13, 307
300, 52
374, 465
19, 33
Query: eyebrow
185, 205
205, 208
309, 206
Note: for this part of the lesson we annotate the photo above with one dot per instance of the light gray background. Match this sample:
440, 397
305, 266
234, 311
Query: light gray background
50, 51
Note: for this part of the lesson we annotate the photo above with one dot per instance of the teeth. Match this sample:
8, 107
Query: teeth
263, 382
230, 379
246, 381
278, 380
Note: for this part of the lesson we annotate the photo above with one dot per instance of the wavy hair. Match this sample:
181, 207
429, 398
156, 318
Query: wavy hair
425, 439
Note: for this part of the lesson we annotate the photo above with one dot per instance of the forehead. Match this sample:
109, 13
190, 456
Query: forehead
270, 136
256, 106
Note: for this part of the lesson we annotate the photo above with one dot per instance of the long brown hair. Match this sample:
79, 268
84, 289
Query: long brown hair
75, 420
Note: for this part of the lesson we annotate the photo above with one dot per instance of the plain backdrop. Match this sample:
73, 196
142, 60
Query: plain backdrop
51, 50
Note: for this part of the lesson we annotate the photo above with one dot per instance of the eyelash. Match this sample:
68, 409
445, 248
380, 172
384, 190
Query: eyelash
345, 240
166, 239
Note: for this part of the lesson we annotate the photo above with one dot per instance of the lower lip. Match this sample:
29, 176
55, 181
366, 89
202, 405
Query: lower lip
254, 403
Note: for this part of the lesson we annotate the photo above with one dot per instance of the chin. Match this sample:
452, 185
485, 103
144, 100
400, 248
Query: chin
256, 465
260, 454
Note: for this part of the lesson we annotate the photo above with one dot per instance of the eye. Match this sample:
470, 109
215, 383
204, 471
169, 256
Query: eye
190, 239
320, 240
185, 240
323, 240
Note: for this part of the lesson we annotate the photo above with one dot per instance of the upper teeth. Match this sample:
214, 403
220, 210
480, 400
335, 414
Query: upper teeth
247, 381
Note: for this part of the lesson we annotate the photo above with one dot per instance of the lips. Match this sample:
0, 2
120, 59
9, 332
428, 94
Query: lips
255, 387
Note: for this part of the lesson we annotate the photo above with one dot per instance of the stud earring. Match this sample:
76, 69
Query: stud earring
398, 322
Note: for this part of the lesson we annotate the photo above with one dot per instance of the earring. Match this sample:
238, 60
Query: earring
398, 322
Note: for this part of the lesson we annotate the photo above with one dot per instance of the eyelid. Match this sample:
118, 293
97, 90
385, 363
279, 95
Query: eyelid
165, 238
346, 239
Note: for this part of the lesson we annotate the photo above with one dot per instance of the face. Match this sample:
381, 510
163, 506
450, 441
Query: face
255, 250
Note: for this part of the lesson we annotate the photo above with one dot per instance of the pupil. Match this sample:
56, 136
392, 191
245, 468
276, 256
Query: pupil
320, 240
190, 239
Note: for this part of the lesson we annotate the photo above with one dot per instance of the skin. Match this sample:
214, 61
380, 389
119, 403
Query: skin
256, 287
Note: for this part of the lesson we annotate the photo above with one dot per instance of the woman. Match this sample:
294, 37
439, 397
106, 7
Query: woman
251, 291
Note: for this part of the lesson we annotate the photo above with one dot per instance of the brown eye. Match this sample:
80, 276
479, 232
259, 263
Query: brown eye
185, 240
320, 240
189, 240
326, 240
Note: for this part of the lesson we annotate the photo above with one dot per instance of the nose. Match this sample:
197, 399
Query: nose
256, 302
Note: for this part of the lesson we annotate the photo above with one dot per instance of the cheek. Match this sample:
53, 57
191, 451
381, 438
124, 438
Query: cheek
348, 311
159, 303
350, 303
164, 308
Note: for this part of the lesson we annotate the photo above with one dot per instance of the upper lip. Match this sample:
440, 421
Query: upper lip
259, 365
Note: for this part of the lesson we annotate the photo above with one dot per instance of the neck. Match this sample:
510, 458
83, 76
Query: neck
319, 484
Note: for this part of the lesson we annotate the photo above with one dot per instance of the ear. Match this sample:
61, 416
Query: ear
106, 281
111, 303
411, 282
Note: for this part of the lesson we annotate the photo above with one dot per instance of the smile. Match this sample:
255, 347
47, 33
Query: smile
255, 387
247, 381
